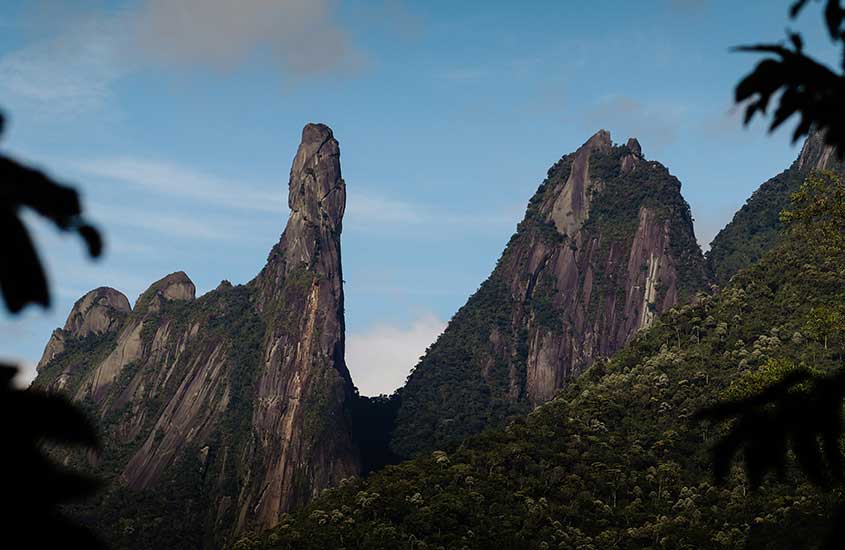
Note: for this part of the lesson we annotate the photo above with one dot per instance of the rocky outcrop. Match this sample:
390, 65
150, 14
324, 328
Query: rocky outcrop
607, 244
99, 312
244, 391
756, 227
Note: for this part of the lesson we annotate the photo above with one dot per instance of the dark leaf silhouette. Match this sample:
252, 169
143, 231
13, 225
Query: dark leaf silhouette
34, 486
23, 281
807, 88
801, 413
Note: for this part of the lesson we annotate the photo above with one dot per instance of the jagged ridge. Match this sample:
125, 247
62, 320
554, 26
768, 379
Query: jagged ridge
607, 243
221, 412
756, 227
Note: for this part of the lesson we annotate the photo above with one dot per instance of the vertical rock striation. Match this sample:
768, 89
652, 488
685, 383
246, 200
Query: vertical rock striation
222, 412
607, 243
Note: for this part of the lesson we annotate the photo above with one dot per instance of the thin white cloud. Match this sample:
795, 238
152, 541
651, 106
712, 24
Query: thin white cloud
170, 224
301, 34
73, 67
69, 73
381, 357
168, 178
26, 371
366, 208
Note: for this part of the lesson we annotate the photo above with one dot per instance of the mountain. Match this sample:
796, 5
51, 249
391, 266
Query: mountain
756, 226
615, 459
222, 412
606, 245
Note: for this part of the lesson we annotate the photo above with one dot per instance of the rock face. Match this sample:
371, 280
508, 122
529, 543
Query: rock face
99, 312
756, 227
221, 412
607, 243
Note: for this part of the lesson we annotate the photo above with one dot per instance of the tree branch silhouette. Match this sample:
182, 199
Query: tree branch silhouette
807, 88
34, 486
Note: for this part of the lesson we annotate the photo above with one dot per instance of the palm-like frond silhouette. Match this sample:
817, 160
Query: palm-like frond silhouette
22, 278
807, 88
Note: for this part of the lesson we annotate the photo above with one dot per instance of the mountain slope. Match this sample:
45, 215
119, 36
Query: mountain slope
221, 412
606, 245
614, 461
756, 226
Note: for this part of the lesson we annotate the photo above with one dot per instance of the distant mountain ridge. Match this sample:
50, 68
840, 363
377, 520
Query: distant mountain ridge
756, 227
606, 245
222, 412
616, 459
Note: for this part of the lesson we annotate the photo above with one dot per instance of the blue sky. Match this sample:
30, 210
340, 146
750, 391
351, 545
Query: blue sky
179, 120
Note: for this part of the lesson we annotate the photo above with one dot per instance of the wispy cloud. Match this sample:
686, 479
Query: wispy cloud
171, 179
70, 73
73, 67
168, 224
303, 35
368, 209
381, 357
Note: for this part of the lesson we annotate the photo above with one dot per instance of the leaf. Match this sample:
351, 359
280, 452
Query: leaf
92, 239
50, 417
22, 279
833, 16
796, 8
807, 420
797, 41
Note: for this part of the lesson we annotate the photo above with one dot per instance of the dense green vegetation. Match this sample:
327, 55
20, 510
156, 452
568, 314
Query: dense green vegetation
473, 376
756, 227
615, 461
172, 515
79, 356
447, 398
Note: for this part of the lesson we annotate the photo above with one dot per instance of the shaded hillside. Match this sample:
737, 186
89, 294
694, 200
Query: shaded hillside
615, 460
756, 226
219, 413
607, 244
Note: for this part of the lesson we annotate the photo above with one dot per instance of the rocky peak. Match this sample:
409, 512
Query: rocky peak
815, 154
317, 199
630, 161
316, 190
756, 227
244, 393
100, 311
600, 141
225, 284
634, 146
176, 286
569, 208
97, 312
607, 244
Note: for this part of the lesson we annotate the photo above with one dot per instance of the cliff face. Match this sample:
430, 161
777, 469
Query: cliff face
615, 461
606, 245
99, 312
222, 411
756, 227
